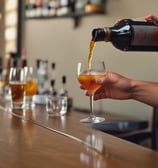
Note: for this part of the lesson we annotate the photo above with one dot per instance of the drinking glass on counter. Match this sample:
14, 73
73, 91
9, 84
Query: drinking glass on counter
56, 106
31, 87
87, 74
17, 82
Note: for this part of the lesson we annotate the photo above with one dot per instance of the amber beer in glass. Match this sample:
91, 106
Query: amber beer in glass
88, 80
17, 82
87, 76
30, 88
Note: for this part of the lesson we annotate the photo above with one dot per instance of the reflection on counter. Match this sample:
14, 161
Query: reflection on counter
92, 157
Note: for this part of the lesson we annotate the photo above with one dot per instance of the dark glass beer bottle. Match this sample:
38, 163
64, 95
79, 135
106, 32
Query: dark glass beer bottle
130, 35
63, 90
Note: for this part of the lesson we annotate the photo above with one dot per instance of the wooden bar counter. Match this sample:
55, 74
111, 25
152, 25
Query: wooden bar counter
32, 139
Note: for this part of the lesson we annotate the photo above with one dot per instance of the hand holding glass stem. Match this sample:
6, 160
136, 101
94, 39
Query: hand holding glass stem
87, 78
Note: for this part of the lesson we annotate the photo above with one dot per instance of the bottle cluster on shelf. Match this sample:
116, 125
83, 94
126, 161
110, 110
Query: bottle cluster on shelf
47, 83
47, 8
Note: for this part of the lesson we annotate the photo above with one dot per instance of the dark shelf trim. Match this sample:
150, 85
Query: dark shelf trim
80, 14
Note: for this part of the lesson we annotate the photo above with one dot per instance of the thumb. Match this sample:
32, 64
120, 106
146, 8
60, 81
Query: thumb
101, 80
109, 77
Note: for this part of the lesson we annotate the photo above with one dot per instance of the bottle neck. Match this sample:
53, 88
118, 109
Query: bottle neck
101, 34
107, 31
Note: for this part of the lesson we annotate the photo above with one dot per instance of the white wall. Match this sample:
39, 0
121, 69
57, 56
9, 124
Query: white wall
57, 41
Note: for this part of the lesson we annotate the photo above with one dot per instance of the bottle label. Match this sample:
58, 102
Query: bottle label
145, 35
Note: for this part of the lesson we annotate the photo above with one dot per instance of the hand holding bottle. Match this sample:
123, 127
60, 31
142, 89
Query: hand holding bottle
116, 86
131, 34
151, 18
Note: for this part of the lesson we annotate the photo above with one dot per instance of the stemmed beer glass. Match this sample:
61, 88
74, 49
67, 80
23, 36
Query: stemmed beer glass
87, 74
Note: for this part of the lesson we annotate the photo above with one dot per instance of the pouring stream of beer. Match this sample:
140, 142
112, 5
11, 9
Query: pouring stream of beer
92, 44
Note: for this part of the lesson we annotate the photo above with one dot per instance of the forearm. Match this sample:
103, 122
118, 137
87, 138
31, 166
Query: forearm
146, 92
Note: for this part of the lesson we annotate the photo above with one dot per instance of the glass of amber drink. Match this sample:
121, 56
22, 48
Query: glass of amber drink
30, 88
17, 82
87, 75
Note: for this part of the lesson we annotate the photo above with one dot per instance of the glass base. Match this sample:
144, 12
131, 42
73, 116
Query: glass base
92, 120
29, 106
29, 103
17, 105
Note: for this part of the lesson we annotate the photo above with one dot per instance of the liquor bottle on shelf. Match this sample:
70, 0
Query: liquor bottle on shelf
63, 90
52, 7
53, 91
42, 77
39, 5
30, 8
37, 64
45, 9
80, 5
64, 7
130, 35
23, 57
15, 60
53, 70
15, 63
72, 5
27, 11
94, 6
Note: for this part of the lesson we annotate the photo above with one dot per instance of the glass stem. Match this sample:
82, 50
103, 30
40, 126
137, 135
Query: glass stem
91, 106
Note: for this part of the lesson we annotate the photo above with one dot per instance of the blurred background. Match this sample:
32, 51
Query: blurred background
63, 38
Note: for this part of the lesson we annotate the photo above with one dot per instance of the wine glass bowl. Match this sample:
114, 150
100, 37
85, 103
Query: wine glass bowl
87, 79
87, 75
